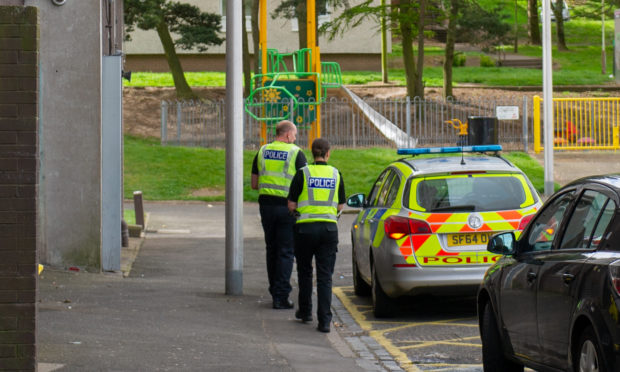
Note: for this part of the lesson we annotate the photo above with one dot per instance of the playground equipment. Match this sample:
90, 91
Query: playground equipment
296, 94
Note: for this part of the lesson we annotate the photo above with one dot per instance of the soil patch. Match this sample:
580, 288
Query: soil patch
142, 106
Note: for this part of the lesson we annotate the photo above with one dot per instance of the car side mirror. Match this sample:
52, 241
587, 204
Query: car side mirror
502, 243
356, 201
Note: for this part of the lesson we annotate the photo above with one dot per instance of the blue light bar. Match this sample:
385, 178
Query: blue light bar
447, 150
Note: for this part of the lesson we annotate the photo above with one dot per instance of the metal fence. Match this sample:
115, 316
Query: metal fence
197, 123
581, 124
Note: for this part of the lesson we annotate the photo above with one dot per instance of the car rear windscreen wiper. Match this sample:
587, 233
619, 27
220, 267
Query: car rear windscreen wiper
469, 208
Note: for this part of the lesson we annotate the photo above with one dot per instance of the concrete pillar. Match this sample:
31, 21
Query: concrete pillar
70, 133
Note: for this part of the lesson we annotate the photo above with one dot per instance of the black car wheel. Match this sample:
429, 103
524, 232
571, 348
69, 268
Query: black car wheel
493, 358
360, 287
588, 357
381, 303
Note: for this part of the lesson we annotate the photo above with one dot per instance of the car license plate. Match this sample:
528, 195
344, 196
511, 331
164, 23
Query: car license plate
468, 239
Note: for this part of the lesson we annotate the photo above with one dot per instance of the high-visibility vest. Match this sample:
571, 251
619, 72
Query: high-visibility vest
276, 168
318, 200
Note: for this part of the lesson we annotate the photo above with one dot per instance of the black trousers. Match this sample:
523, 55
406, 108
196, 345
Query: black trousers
278, 227
318, 240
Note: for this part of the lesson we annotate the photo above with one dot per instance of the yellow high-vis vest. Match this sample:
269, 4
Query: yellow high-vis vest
318, 200
276, 168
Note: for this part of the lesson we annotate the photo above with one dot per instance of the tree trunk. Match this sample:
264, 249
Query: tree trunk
559, 24
533, 30
419, 81
180, 84
247, 69
407, 41
255, 36
302, 28
450, 41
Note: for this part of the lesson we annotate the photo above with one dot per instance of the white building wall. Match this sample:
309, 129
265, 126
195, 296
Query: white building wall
363, 39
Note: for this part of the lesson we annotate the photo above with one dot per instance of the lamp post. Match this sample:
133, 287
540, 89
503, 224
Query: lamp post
548, 97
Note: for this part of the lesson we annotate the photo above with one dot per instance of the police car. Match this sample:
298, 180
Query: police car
425, 225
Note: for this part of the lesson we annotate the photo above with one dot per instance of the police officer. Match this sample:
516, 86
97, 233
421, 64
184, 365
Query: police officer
317, 195
272, 171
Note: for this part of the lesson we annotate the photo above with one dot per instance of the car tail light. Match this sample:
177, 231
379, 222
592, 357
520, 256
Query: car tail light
614, 274
524, 221
396, 227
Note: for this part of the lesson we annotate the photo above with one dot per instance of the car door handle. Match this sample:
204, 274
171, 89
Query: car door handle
568, 277
531, 276
371, 220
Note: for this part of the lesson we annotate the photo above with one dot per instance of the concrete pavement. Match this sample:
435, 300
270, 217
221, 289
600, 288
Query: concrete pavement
171, 314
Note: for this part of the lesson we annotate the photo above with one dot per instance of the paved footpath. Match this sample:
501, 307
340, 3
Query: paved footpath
568, 166
171, 314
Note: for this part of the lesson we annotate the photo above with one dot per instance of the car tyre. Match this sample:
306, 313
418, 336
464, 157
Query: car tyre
360, 287
493, 358
589, 357
381, 303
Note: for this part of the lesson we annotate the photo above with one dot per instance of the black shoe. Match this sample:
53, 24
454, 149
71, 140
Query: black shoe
323, 328
283, 304
304, 318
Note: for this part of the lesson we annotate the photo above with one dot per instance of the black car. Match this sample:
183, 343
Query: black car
552, 301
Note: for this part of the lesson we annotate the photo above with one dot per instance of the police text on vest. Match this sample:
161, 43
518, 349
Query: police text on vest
275, 155
322, 183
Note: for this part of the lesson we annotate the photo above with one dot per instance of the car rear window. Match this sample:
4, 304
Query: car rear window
472, 192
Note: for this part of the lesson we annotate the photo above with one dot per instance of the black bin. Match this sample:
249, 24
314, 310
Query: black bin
481, 130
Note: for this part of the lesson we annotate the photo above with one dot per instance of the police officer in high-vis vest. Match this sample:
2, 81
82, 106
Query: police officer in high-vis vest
272, 171
316, 195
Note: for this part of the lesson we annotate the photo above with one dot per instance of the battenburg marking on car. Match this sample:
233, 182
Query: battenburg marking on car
448, 150
275, 155
322, 183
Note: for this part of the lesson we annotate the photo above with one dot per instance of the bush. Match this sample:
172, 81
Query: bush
459, 60
486, 61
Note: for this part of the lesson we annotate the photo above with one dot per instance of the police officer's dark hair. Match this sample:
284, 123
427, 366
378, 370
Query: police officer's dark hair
283, 127
320, 147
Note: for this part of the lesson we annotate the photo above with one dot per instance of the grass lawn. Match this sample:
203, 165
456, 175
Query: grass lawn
173, 173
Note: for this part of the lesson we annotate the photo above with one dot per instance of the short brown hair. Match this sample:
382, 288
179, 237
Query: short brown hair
283, 127
320, 147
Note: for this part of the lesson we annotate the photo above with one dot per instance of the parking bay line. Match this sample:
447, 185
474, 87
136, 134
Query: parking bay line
390, 347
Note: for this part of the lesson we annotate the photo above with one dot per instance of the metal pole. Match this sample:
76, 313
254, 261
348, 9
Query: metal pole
234, 151
408, 120
384, 69
164, 122
179, 121
525, 121
548, 98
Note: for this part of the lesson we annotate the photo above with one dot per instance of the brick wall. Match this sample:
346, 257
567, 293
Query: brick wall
19, 37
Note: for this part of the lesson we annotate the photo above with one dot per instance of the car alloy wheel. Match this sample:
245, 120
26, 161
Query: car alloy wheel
589, 353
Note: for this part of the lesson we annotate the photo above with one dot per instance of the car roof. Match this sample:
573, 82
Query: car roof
445, 164
610, 180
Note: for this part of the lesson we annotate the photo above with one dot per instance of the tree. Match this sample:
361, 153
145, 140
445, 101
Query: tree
196, 29
533, 30
408, 16
557, 9
471, 22
453, 12
290, 9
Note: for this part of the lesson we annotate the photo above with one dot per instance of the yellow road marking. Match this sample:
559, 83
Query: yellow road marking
400, 357
389, 346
